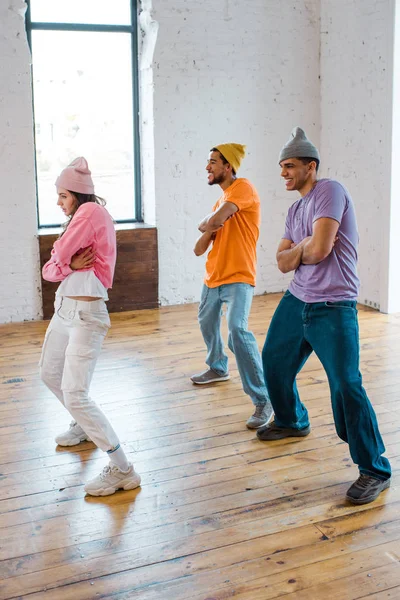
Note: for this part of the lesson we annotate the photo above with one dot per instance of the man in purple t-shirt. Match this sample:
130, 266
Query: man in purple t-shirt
318, 313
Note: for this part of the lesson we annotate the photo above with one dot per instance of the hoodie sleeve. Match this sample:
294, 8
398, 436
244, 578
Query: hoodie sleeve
79, 235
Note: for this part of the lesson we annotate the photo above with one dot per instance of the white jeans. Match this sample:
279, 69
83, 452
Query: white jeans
70, 350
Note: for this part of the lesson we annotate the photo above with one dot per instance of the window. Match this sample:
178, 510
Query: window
85, 92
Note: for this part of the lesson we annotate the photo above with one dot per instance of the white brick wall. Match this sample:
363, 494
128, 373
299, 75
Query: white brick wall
227, 71
224, 71
390, 252
19, 265
356, 116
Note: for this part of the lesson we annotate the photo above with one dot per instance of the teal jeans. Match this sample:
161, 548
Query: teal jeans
330, 329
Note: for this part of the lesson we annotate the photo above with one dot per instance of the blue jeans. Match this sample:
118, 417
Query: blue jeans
238, 298
331, 330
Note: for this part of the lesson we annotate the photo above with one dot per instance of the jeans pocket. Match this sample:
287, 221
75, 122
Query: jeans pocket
97, 321
342, 304
79, 365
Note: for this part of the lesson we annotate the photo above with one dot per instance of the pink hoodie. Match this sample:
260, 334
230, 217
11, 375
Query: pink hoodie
92, 226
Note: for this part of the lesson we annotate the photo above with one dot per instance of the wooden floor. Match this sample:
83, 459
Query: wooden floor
220, 515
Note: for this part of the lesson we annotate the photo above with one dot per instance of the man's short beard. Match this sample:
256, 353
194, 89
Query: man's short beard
217, 179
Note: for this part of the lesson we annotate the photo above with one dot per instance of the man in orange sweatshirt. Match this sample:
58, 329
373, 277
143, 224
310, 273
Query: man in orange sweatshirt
233, 229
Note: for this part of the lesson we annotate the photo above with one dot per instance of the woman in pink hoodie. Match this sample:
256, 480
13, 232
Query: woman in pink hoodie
83, 260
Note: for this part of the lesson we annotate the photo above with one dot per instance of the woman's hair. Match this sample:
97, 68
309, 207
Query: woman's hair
82, 199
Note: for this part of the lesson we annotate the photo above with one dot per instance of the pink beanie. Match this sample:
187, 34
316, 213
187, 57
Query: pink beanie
76, 177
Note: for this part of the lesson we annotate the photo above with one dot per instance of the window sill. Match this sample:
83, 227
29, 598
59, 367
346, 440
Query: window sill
118, 227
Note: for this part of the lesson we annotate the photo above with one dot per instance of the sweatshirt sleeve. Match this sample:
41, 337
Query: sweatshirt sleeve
79, 235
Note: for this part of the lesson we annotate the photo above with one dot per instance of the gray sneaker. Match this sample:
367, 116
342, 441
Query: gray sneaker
366, 489
262, 416
209, 376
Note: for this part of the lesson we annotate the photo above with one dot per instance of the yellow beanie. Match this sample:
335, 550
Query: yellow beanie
233, 153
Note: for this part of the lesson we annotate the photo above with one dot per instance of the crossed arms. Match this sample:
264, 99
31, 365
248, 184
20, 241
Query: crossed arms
310, 251
211, 224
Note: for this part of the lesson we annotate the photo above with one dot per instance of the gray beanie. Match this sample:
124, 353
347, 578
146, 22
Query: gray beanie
298, 146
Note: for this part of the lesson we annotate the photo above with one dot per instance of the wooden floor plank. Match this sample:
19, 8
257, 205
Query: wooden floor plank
392, 593
220, 514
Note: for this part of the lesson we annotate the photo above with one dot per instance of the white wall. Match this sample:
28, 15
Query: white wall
390, 259
20, 297
356, 122
227, 71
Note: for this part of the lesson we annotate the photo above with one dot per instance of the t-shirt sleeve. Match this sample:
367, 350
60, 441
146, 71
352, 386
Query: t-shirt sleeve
330, 202
241, 195
288, 234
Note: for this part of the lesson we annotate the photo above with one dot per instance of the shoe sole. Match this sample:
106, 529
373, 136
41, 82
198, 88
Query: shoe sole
73, 442
131, 485
369, 499
285, 433
262, 424
211, 380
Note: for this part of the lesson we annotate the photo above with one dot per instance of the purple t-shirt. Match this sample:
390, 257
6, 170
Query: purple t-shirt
335, 278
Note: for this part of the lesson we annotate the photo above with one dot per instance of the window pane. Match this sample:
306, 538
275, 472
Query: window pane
82, 83
98, 12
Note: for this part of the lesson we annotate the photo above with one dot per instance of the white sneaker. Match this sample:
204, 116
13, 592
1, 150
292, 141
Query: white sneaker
75, 435
112, 479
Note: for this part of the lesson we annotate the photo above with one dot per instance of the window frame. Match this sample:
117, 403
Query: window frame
133, 30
